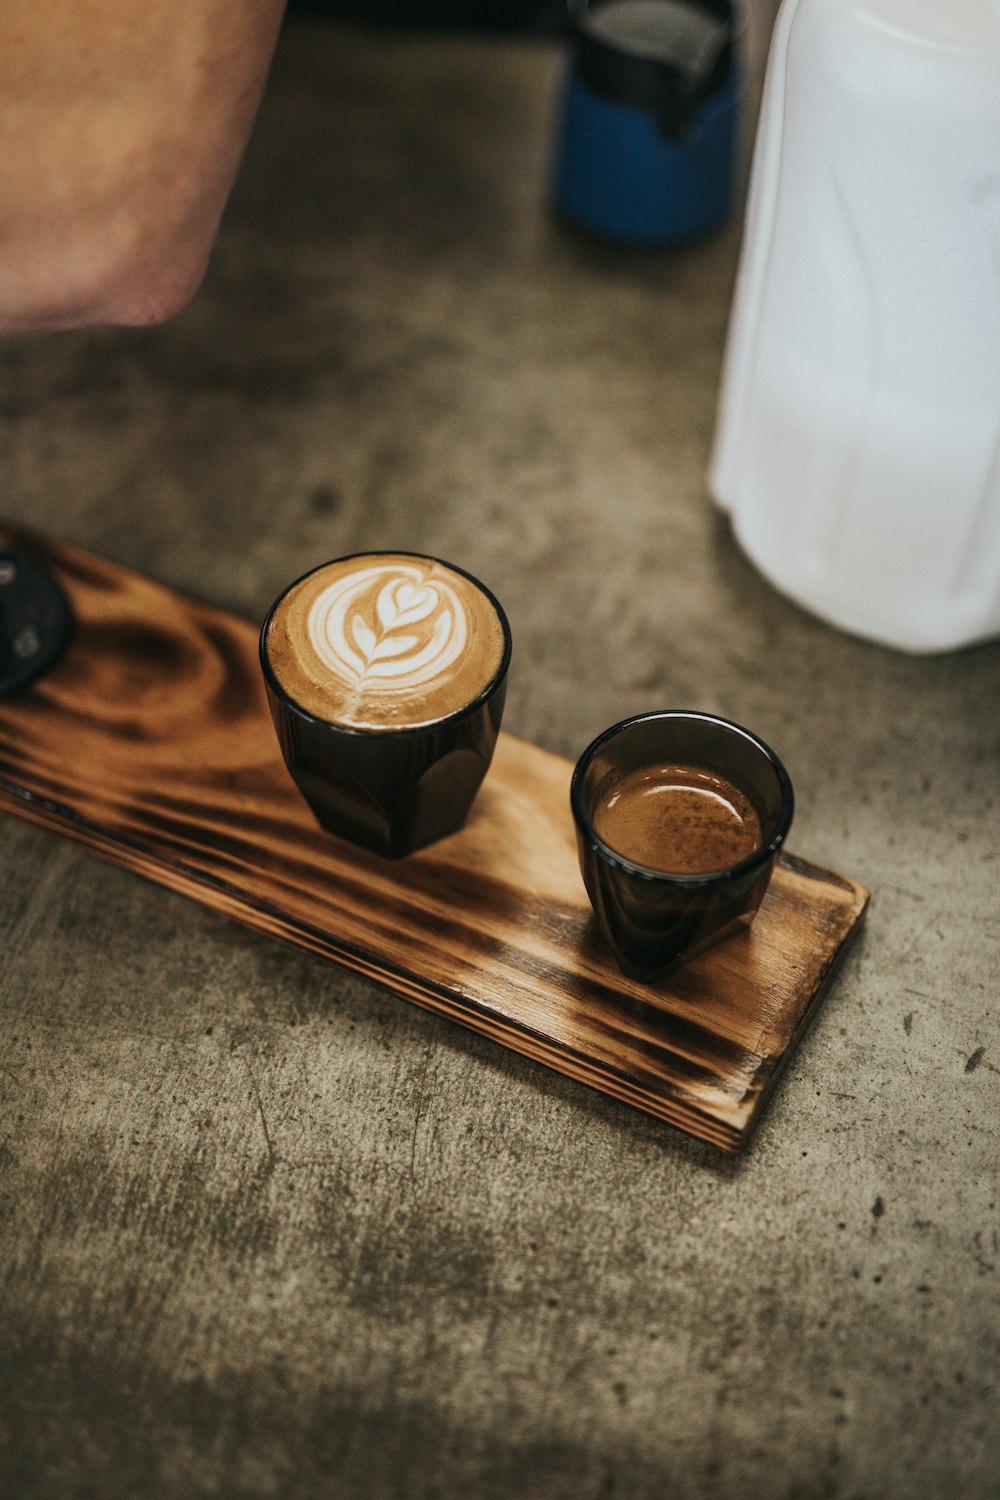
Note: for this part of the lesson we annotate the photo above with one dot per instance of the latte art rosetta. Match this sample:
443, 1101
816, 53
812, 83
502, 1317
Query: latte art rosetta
387, 624
385, 641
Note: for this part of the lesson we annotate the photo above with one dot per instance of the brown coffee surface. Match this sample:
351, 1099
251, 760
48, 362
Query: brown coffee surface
385, 641
679, 819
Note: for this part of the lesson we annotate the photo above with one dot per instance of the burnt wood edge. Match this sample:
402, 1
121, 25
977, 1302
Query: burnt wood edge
774, 1067
804, 867
474, 1015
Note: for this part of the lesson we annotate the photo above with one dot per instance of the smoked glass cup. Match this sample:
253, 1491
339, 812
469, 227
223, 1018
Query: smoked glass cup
390, 791
654, 919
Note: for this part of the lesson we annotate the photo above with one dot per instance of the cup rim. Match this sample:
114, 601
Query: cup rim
759, 857
458, 714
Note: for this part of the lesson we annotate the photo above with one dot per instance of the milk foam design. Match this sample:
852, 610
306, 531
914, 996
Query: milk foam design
388, 623
385, 641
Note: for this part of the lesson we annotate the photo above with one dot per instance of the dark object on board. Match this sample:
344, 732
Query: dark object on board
36, 621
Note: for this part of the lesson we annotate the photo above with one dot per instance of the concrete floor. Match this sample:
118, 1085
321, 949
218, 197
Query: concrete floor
267, 1231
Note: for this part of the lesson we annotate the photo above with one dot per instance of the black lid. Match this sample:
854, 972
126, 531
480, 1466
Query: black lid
36, 620
664, 56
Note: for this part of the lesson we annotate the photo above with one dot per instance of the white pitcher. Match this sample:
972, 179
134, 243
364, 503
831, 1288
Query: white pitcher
858, 438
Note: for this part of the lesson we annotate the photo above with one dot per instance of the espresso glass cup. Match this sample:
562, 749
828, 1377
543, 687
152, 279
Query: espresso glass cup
653, 918
391, 791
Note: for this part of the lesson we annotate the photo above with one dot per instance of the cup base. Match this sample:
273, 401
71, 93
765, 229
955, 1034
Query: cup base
655, 972
394, 815
390, 841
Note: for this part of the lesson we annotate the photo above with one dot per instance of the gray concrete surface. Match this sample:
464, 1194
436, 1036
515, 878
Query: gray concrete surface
266, 1231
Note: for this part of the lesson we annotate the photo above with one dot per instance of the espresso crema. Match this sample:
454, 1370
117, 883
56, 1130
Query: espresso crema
385, 641
682, 820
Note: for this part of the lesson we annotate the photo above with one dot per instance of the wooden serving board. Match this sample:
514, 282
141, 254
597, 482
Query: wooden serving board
150, 744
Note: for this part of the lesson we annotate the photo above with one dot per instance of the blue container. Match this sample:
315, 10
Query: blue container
646, 151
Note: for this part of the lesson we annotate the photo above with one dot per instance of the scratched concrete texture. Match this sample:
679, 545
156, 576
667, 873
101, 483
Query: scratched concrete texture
265, 1230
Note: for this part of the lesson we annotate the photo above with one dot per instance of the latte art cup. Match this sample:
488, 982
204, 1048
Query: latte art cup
655, 919
394, 758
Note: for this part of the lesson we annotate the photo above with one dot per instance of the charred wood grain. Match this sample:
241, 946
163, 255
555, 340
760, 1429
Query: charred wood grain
150, 744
